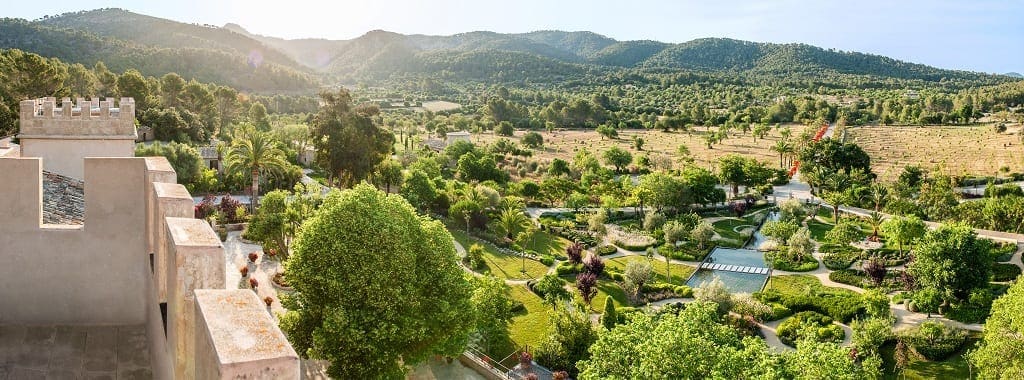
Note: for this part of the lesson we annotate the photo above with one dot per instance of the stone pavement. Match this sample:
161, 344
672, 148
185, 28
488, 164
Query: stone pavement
74, 352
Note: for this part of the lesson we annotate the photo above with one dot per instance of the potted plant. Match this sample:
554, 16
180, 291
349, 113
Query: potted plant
269, 301
253, 283
253, 256
272, 252
525, 360
244, 271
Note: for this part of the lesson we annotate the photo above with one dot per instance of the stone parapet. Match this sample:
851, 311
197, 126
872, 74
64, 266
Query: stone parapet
42, 118
238, 339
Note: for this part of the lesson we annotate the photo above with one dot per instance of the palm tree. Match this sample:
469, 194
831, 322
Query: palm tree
512, 221
878, 194
258, 154
782, 147
875, 218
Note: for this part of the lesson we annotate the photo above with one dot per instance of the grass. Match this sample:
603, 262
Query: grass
499, 264
954, 367
727, 228
679, 273
544, 242
798, 284
818, 229
605, 289
529, 327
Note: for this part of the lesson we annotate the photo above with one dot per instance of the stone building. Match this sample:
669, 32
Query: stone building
138, 288
451, 137
64, 136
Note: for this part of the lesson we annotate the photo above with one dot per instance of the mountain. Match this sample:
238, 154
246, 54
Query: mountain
234, 56
207, 59
1014, 75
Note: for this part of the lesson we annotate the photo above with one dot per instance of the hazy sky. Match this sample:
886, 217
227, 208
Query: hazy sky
979, 35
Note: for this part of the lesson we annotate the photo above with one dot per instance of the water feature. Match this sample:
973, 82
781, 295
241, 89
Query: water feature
739, 261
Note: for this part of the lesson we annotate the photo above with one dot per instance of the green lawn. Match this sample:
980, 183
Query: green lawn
798, 284
818, 229
544, 242
605, 289
954, 367
727, 228
530, 327
499, 264
679, 273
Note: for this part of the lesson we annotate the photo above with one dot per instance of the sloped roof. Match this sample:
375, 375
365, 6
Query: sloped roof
63, 199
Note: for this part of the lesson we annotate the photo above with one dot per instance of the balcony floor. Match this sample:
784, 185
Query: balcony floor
73, 352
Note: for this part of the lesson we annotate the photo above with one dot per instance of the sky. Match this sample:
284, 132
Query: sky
982, 35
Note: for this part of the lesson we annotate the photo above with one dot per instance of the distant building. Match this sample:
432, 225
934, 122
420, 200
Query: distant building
452, 137
308, 156
211, 157
145, 133
9, 149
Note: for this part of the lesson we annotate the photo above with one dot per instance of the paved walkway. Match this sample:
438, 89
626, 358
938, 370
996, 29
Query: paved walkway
74, 352
236, 256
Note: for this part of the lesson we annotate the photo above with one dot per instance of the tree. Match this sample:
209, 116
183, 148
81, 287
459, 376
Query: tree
184, 159
586, 285
608, 131
512, 221
348, 142
714, 292
953, 260
653, 221
568, 341
132, 84
533, 140
800, 245
779, 231
702, 234
348, 285
559, 167
255, 154
844, 233
875, 268
647, 347
609, 319
618, 158
465, 210
746, 305
279, 218
674, 232
833, 156
1000, 355
504, 129
792, 209
574, 253
730, 170
637, 274
418, 189
388, 173
903, 229
492, 301
552, 289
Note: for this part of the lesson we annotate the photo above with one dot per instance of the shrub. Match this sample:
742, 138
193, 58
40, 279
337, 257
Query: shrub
653, 221
851, 277
566, 268
809, 263
975, 310
778, 312
809, 322
839, 260
547, 260
1003, 251
1005, 272
840, 306
607, 249
934, 340
476, 256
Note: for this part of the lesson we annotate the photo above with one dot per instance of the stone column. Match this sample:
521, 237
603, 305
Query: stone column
196, 262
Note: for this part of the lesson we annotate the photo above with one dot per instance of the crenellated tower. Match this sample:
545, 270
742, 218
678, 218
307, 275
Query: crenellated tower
65, 133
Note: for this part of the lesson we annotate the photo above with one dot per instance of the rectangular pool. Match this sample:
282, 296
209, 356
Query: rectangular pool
736, 282
737, 256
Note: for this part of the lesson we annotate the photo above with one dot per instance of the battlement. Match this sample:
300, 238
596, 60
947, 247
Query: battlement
46, 118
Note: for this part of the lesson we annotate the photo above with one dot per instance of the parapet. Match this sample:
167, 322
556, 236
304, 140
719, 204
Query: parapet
83, 119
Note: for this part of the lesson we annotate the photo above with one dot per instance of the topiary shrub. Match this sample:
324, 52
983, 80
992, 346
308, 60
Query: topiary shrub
607, 249
809, 322
933, 340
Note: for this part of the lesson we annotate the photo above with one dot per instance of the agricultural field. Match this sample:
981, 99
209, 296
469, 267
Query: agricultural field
565, 143
955, 150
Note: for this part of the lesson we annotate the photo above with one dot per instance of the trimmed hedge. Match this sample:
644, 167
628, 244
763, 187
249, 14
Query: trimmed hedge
605, 250
1003, 251
840, 307
934, 340
850, 277
1005, 272
778, 312
564, 268
809, 263
824, 330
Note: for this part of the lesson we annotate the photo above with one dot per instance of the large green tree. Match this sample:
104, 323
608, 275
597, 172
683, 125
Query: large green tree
377, 288
1000, 355
348, 142
952, 260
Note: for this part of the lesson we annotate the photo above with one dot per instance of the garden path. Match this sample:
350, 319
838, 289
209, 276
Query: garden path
235, 257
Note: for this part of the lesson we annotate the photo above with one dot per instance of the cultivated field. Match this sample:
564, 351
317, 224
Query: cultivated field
954, 150
565, 144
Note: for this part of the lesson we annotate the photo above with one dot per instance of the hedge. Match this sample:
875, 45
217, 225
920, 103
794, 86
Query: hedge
840, 307
1005, 272
825, 331
607, 249
934, 340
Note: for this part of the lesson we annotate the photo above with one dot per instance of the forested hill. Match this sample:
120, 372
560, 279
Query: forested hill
203, 59
233, 56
